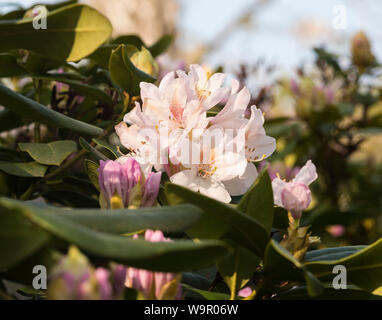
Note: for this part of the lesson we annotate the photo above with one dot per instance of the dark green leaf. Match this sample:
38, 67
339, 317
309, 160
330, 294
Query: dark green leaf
23, 169
91, 169
175, 256
19, 239
53, 153
32, 110
124, 73
220, 220
258, 200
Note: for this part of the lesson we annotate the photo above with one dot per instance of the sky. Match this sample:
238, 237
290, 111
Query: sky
279, 31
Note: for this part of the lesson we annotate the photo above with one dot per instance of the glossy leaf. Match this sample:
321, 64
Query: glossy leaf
98, 155
18, 239
80, 87
9, 66
30, 109
91, 169
237, 268
363, 268
53, 153
23, 169
161, 45
220, 221
329, 293
172, 256
258, 200
124, 73
73, 32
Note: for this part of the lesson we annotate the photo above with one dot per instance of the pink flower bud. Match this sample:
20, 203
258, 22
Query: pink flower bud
295, 196
118, 179
151, 189
102, 275
153, 285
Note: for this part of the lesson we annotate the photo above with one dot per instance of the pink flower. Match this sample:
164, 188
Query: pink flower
295, 195
154, 285
119, 179
337, 230
245, 292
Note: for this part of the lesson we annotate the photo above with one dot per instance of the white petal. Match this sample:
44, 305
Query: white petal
213, 189
234, 108
198, 73
166, 82
128, 135
256, 122
148, 90
278, 186
216, 81
263, 147
239, 185
229, 165
307, 174
186, 179
135, 116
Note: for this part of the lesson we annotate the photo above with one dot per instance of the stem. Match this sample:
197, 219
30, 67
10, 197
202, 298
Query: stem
37, 128
233, 287
65, 166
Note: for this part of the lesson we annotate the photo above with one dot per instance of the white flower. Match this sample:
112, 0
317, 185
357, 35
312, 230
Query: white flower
170, 128
203, 86
209, 175
258, 145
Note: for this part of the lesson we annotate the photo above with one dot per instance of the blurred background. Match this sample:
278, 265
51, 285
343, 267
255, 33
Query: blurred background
312, 67
227, 33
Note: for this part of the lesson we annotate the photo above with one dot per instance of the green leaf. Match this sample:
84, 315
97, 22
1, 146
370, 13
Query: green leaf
23, 169
114, 150
82, 88
53, 153
258, 200
174, 219
124, 72
363, 268
220, 221
29, 109
102, 55
18, 239
237, 268
73, 32
9, 120
91, 169
330, 254
329, 293
279, 264
174, 256
9, 66
204, 294
161, 45
98, 155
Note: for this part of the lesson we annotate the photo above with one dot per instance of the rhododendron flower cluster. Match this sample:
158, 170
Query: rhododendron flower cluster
174, 130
